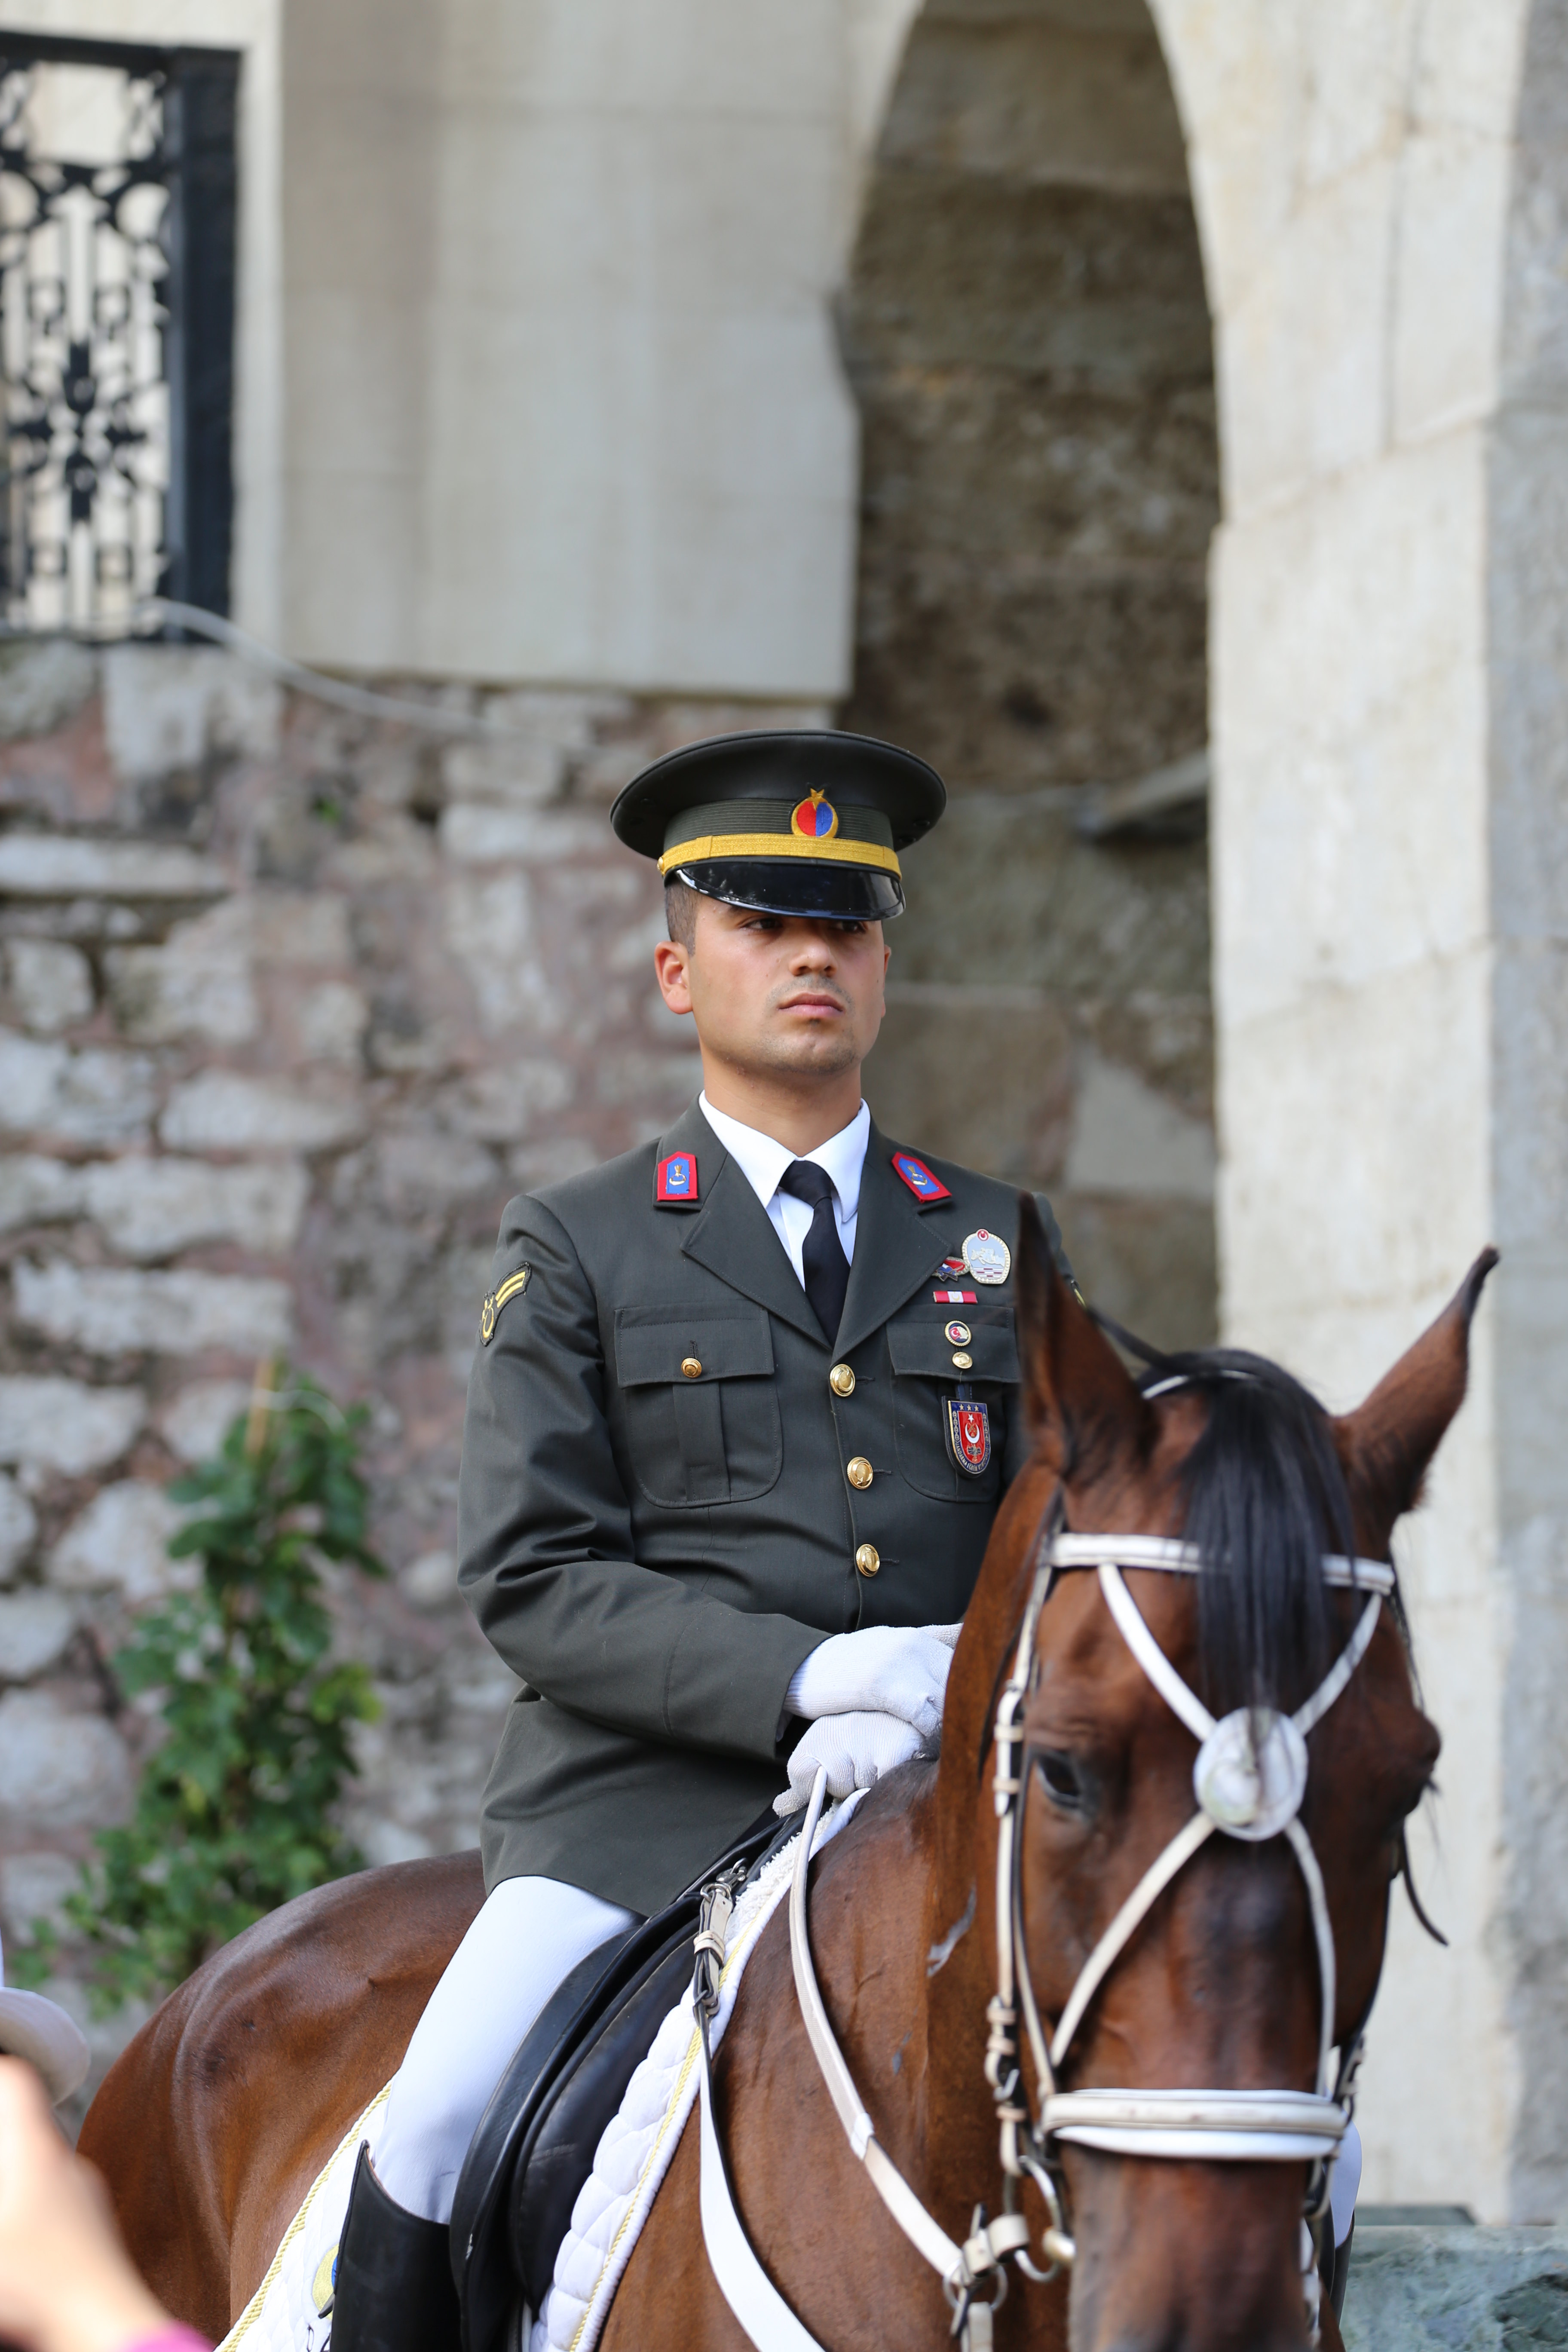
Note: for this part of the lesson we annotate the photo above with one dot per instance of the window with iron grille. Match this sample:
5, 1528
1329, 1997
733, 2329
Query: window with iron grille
117, 240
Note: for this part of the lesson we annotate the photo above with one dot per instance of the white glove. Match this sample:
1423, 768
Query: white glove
898, 1670
856, 1749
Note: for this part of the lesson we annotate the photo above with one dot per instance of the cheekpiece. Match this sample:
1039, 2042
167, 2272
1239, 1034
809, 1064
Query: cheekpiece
789, 824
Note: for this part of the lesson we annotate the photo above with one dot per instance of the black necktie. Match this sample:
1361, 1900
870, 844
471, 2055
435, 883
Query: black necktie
826, 1267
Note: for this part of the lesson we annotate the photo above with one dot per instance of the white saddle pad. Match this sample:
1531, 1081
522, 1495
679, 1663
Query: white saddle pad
284, 2315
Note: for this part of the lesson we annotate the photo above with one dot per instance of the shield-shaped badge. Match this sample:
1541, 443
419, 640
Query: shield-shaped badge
987, 1257
969, 1436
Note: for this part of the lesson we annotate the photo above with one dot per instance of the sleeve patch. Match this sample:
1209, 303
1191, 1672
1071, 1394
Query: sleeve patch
512, 1287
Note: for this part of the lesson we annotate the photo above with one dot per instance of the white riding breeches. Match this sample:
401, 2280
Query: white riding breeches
530, 1934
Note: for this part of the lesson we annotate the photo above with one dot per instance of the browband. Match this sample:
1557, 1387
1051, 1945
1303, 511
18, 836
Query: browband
1185, 1559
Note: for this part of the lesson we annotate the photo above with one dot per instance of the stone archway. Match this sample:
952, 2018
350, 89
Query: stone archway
1385, 208
1025, 330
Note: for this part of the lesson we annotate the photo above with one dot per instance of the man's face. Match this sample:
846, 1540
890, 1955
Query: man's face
778, 994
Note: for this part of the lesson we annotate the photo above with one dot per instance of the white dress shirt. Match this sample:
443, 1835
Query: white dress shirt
763, 1161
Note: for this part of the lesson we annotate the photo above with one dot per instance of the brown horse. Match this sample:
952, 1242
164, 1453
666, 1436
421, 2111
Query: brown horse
217, 2118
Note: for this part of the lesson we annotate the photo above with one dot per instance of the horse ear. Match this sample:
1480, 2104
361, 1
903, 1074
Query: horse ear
1386, 1445
1087, 1415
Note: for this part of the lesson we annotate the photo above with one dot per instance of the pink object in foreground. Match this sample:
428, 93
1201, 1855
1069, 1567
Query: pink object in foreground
173, 2338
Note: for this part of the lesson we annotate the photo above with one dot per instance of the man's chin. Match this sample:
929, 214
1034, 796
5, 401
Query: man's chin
820, 1052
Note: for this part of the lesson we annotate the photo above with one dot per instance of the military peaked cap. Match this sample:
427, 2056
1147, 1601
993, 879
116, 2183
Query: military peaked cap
789, 824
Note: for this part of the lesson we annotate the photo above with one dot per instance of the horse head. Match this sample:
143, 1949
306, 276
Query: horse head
1204, 1764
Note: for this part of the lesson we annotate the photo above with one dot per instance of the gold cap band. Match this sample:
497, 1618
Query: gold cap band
837, 852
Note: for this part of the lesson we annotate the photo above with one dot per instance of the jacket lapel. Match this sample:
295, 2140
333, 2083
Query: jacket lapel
731, 1234
896, 1246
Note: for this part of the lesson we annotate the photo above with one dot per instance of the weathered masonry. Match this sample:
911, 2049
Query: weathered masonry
608, 375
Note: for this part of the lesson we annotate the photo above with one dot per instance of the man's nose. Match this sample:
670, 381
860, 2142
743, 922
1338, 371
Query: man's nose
817, 952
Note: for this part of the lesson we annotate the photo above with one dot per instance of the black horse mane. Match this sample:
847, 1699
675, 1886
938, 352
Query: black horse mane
1265, 1498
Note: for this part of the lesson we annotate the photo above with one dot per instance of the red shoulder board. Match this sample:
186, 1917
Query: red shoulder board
676, 1184
927, 1189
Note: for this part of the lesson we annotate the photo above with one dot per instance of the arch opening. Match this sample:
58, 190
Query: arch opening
1026, 328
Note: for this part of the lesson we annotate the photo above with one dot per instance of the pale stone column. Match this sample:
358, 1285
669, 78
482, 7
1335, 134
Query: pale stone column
1383, 193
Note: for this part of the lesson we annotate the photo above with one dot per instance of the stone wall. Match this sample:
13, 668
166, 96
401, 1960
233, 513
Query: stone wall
291, 1003
1027, 332
1417, 2289
1384, 194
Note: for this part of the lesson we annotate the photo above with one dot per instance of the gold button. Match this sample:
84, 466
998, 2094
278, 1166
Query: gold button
691, 1368
841, 1380
859, 1471
867, 1559
963, 1363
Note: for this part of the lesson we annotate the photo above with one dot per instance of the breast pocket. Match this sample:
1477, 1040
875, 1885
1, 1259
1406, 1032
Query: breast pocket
924, 1376
703, 1411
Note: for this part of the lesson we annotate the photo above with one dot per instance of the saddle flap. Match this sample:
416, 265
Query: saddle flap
480, 2269
494, 2251
557, 2155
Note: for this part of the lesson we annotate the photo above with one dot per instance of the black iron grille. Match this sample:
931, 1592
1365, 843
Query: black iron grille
117, 246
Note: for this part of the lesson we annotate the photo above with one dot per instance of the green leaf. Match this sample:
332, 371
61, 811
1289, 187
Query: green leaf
235, 1807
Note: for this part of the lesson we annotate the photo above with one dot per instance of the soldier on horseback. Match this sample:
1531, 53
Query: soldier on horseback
744, 1406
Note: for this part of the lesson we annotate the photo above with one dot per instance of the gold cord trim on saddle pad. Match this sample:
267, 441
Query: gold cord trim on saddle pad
838, 851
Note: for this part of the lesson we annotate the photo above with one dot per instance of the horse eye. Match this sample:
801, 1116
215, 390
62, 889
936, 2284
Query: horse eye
1060, 1775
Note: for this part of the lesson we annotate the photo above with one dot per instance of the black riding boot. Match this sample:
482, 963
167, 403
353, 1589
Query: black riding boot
393, 2290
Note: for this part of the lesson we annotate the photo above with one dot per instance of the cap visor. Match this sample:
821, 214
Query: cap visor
796, 885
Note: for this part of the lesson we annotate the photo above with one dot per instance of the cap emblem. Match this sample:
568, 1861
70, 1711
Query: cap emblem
815, 818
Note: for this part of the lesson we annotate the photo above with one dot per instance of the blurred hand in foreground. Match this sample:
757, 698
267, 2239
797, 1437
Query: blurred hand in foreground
66, 2282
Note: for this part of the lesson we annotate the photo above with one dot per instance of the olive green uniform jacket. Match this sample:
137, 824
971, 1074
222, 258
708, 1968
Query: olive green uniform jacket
655, 1549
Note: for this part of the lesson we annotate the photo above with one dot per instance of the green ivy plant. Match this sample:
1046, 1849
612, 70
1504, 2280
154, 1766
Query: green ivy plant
235, 1807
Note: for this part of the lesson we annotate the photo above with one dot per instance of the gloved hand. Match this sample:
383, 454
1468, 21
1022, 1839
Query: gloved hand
856, 1749
898, 1670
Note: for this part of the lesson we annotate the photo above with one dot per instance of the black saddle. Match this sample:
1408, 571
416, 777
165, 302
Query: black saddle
534, 2146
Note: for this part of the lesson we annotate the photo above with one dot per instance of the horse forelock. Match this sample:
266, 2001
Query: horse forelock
1264, 1498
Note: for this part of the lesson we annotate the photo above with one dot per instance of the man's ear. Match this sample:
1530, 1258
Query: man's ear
669, 964
1385, 1446
1087, 1417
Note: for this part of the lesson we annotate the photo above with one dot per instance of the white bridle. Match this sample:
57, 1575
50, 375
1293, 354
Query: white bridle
1249, 1782
1250, 1777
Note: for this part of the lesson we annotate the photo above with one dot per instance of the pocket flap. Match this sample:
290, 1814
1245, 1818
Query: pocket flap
920, 1347
653, 1343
